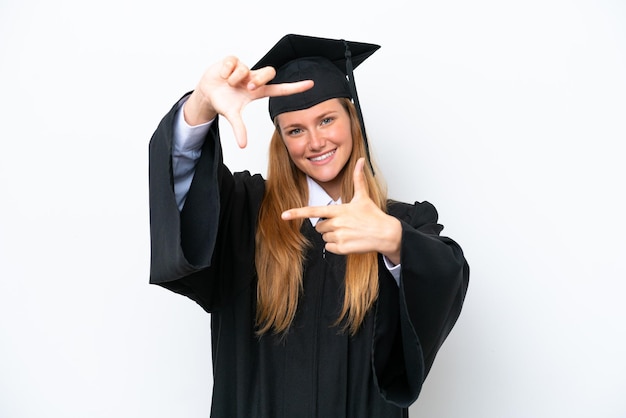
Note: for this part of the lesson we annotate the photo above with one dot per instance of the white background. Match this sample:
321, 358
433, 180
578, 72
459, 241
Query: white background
508, 116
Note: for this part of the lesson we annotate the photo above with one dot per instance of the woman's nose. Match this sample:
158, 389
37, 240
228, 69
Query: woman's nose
317, 141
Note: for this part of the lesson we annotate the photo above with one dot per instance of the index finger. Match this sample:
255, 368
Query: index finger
260, 77
309, 212
285, 89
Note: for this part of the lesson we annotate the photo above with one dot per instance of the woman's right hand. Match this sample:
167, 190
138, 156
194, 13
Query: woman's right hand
227, 87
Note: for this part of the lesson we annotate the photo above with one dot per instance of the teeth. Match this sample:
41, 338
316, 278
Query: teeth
323, 157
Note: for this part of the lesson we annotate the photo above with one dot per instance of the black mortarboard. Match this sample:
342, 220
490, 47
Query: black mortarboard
328, 62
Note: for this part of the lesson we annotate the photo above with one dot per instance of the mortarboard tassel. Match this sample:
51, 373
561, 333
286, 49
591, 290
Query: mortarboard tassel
352, 86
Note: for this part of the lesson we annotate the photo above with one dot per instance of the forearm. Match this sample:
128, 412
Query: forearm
186, 150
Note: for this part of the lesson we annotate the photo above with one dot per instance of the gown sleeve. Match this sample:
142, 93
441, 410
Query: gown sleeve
213, 236
414, 318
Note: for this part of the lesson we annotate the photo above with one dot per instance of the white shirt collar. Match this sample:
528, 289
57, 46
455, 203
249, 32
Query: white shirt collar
319, 197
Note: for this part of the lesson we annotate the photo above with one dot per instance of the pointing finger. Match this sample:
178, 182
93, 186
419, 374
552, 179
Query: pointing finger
309, 212
285, 89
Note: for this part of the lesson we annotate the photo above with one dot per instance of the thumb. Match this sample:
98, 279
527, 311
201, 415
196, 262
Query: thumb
360, 186
239, 129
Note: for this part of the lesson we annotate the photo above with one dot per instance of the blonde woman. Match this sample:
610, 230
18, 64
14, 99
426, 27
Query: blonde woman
327, 299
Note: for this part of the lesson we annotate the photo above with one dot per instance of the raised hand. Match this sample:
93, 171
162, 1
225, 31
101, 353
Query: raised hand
355, 227
227, 87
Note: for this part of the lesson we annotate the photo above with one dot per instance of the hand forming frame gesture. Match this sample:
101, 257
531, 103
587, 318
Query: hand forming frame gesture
227, 87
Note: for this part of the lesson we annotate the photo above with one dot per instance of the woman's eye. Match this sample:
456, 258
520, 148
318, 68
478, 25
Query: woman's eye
295, 131
327, 120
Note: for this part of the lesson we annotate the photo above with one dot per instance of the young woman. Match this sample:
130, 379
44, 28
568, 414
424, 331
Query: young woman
326, 298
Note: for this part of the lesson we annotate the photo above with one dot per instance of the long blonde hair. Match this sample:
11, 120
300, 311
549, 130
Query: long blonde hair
280, 246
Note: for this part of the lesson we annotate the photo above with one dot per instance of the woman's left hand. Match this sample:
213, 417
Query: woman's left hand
355, 227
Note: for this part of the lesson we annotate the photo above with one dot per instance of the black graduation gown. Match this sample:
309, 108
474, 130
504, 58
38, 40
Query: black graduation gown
206, 252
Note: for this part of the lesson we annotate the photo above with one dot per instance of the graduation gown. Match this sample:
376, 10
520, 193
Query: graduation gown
206, 252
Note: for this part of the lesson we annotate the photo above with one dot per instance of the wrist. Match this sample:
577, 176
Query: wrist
393, 239
197, 110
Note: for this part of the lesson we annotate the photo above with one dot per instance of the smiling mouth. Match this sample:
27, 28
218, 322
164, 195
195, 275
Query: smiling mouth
323, 156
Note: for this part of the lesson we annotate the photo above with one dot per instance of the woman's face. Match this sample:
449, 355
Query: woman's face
319, 142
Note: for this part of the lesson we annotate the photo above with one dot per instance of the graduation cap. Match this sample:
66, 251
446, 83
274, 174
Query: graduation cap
328, 62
